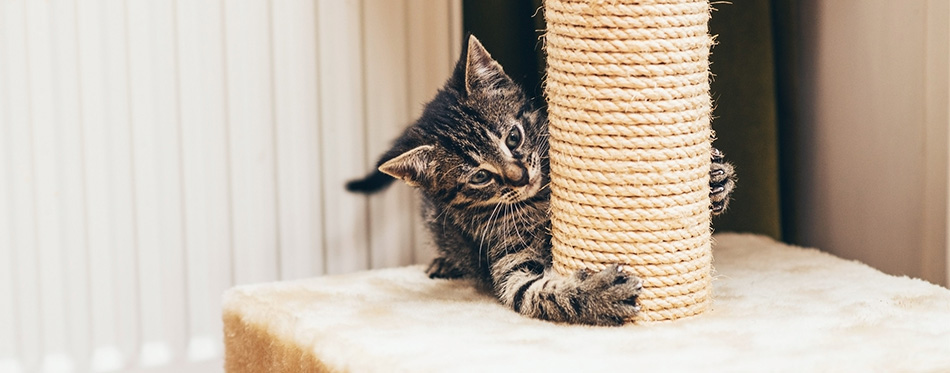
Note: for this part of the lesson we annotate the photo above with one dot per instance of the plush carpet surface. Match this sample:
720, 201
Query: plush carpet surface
775, 308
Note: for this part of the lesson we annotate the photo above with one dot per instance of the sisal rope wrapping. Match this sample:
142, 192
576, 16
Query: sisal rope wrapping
629, 107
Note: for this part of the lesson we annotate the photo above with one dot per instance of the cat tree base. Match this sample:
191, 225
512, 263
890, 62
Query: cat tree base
775, 308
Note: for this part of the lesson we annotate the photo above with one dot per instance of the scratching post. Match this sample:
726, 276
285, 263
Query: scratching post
628, 100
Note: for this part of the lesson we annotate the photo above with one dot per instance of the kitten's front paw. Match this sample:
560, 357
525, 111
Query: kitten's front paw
607, 297
722, 181
442, 268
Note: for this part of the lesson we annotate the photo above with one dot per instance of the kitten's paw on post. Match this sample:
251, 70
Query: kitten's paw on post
722, 181
607, 297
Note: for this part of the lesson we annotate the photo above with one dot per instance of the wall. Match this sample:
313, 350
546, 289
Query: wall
872, 137
155, 153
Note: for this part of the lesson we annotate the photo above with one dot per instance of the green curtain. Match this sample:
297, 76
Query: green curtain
745, 117
511, 31
743, 89
786, 47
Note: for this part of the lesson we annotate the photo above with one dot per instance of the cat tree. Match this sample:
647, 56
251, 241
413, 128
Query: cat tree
630, 152
629, 107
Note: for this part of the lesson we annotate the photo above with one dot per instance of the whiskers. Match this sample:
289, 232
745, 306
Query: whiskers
544, 186
488, 226
509, 226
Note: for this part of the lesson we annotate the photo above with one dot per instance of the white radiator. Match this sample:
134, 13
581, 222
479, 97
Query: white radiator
154, 153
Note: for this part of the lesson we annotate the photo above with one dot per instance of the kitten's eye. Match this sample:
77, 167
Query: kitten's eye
480, 177
513, 139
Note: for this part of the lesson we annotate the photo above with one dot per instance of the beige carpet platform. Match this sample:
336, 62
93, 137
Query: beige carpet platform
775, 308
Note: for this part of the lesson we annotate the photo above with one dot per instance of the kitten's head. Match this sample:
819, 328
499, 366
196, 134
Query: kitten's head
480, 142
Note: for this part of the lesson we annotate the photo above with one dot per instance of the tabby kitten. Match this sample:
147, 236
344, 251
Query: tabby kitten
478, 155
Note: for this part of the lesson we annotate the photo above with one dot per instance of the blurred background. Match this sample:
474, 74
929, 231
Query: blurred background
156, 153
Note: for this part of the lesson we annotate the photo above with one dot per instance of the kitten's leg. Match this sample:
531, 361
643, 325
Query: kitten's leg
452, 249
722, 181
607, 297
443, 268
446, 239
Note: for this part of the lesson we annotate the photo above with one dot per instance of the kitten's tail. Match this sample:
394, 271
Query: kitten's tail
372, 183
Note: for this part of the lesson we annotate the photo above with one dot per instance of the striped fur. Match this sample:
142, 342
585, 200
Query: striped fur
478, 155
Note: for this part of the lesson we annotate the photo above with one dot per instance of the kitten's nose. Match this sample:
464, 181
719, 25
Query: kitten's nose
517, 175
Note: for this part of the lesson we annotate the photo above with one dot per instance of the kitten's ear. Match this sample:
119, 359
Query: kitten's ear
409, 166
481, 71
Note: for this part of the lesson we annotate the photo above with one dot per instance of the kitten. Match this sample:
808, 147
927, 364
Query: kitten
478, 155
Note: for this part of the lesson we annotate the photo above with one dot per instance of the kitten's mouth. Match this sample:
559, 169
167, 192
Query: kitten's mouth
533, 187
530, 190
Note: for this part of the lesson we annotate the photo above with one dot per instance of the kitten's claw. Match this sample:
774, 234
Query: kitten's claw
722, 181
608, 297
